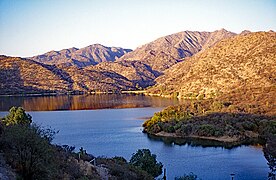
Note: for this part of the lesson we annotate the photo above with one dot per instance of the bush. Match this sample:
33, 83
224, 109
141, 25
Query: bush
17, 115
120, 169
147, 162
156, 128
29, 151
155, 119
186, 129
167, 127
209, 130
250, 126
120, 160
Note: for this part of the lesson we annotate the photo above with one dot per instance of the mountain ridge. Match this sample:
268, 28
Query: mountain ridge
166, 51
238, 63
89, 55
164, 61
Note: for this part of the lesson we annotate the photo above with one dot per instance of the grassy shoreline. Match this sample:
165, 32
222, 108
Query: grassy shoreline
211, 120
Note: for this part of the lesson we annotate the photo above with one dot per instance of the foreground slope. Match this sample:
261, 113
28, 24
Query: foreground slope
18, 75
90, 55
239, 63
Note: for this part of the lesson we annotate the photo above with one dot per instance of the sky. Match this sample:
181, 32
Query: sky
32, 27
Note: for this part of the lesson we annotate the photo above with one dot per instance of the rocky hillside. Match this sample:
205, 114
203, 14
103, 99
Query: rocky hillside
97, 80
169, 50
18, 75
90, 55
215, 62
139, 73
242, 64
148, 62
141, 66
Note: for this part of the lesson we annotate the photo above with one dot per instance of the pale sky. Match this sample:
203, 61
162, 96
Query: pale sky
32, 27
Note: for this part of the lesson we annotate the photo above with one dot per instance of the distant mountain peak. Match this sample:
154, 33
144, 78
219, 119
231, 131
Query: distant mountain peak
89, 55
245, 32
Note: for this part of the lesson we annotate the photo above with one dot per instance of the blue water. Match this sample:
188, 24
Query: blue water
118, 132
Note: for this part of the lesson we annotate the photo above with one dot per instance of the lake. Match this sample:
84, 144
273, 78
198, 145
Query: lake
110, 125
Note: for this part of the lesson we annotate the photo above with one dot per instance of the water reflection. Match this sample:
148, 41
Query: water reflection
83, 102
170, 141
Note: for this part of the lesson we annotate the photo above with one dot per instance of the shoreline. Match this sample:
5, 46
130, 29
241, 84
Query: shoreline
74, 93
224, 139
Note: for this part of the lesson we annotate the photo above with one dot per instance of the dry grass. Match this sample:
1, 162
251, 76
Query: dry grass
239, 67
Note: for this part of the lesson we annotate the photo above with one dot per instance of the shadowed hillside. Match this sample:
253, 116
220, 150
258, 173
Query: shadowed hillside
139, 73
19, 75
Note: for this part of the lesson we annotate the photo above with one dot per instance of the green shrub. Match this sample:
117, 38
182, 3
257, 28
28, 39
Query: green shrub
209, 130
120, 160
147, 162
186, 129
250, 126
17, 115
156, 128
29, 151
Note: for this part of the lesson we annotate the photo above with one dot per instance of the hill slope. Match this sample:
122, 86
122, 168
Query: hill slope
237, 78
19, 75
139, 73
90, 55
240, 64
169, 50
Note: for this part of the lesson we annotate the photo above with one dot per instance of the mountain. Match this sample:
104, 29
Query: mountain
242, 66
90, 55
166, 51
215, 63
144, 64
18, 75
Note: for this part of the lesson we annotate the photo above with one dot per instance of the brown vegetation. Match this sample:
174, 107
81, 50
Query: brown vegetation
20, 76
169, 50
237, 64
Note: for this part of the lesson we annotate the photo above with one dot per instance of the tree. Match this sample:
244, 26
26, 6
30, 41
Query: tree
147, 162
270, 155
29, 151
17, 115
